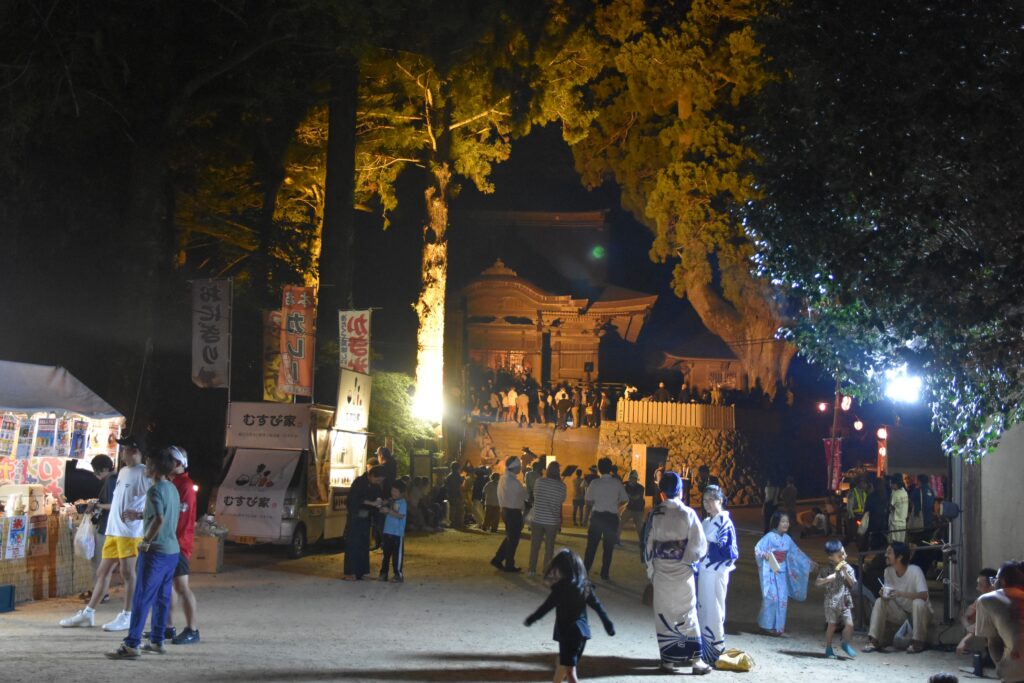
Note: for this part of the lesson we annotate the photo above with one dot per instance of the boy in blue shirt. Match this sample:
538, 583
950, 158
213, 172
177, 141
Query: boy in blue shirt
393, 542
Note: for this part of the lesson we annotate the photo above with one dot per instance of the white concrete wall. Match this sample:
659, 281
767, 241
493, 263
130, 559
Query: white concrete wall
1002, 501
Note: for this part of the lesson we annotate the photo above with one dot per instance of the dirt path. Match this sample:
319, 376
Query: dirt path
266, 618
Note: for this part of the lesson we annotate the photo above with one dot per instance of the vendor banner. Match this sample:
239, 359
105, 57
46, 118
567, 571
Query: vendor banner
250, 500
272, 358
211, 333
45, 472
354, 341
268, 425
298, 340
833, 463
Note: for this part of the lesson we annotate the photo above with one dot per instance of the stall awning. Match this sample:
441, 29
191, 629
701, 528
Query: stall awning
28, 388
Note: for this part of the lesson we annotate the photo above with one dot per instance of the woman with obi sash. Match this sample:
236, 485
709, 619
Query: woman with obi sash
784, 572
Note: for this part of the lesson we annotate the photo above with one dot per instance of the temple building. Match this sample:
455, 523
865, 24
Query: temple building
501, 321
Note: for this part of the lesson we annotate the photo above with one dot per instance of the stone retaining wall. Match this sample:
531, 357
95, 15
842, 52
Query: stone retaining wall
725, 452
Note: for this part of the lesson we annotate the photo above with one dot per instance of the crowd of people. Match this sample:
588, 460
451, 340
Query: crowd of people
516, 396
145, 517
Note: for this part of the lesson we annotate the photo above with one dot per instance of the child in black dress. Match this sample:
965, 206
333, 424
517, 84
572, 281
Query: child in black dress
571, 592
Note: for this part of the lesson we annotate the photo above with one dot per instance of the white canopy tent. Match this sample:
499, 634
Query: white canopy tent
28, 388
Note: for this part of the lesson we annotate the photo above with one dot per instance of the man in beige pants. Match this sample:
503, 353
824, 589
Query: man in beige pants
904, 596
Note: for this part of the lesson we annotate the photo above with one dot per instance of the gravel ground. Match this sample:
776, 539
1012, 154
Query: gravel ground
266, 618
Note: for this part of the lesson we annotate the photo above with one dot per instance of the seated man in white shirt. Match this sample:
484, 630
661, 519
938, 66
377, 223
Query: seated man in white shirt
904, 596
998, 613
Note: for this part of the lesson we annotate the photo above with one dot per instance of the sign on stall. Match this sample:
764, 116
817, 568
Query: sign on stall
250, 499
15, 549
268, 425
353, 412
45, 472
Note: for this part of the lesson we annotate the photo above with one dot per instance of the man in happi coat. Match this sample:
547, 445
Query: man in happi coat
674, 542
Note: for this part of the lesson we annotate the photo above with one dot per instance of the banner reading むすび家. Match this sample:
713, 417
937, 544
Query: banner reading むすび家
250, 498
298, 340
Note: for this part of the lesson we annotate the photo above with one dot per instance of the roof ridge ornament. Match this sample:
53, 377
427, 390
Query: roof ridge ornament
499, 269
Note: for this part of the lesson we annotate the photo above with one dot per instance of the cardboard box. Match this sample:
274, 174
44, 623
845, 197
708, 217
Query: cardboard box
207, 555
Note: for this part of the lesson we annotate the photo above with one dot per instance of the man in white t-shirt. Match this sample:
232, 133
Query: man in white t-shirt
904, 596
124, 532
997, 614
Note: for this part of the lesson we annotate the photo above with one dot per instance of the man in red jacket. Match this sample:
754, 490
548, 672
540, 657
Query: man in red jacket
186, 537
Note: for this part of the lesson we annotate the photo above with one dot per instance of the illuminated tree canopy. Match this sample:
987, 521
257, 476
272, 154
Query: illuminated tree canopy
647, 92
890, 191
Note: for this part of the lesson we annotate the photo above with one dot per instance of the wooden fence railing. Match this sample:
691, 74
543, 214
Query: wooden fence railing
677, 414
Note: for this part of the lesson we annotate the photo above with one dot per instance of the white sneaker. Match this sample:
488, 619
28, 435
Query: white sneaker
83, 617
120, 623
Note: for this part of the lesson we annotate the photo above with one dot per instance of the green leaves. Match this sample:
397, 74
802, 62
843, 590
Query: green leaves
891, 173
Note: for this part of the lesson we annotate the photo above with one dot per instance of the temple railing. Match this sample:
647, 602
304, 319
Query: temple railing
676, 414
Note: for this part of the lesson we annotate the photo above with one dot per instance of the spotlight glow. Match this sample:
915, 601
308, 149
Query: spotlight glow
846, 403
822, 407
882, 433
858, 425
901, 387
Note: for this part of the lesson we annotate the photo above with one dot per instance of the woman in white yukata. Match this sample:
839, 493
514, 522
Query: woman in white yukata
713, 573
673, 544
784, 578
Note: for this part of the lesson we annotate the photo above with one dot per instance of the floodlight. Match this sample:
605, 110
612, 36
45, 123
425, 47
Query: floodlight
901, 387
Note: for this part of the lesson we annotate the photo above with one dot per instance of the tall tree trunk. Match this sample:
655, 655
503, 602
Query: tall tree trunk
147, 267
748, 327
337, 242
429, 401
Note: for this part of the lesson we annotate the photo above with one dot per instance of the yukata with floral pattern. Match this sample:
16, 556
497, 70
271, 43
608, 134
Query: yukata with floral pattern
674, 542
789, 582
713, 583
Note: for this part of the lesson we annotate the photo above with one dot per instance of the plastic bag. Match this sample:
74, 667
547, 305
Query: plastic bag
85, 539
901, 641
734, 660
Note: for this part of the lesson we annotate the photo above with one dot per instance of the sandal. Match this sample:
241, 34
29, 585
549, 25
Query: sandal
872, 646
915, 648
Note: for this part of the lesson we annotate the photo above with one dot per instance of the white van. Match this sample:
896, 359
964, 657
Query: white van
286, 476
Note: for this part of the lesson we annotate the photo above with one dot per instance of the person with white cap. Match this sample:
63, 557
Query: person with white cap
186, 532
123, 534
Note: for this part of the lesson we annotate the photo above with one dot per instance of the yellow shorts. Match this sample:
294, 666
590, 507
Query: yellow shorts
118, 548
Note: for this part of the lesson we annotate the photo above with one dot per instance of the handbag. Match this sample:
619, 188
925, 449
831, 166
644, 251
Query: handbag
865, 520
734, 660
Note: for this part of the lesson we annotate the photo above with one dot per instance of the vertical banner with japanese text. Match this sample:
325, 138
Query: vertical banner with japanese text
298, 335
354, 341
211, 333
833, 463
272, 358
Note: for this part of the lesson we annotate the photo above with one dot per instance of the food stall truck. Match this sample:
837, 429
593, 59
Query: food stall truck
48, 419
287, 474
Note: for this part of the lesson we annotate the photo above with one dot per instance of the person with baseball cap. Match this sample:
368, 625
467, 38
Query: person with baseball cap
123, 534
186, 532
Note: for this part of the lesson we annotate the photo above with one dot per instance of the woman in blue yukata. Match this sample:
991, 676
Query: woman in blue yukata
784, 572
673, 544
713, 573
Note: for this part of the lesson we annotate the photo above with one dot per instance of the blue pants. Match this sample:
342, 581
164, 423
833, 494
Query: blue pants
154, 573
